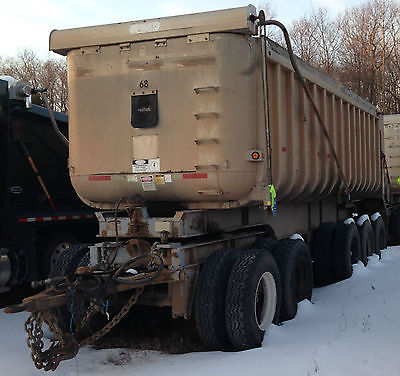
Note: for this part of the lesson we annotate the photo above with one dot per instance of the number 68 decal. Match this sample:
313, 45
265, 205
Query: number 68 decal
143, 84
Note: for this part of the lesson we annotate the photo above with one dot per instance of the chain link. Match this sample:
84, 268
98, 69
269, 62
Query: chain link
61, 347
115, 320
64, 345
93, 308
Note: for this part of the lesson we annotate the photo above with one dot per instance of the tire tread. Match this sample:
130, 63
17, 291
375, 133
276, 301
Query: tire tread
210, 299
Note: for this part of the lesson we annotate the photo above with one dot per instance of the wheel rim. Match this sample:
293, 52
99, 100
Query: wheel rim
60, 248
265, 301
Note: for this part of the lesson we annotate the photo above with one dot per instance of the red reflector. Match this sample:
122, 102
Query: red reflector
23, 220
195, 175
283, 148
100, 178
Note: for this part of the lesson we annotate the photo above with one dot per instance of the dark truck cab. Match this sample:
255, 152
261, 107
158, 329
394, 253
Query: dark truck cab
40, 213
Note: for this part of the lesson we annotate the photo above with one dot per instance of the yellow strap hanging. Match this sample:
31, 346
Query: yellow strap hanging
272, 193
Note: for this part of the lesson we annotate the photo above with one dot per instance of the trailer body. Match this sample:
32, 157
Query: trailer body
218, 107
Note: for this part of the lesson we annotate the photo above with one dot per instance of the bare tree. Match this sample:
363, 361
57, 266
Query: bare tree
50, 74
392, 82
303, 42
370, 40
360, 48
316, 40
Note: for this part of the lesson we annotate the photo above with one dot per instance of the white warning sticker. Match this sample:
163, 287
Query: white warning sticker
154, 165
148, 183
146, 165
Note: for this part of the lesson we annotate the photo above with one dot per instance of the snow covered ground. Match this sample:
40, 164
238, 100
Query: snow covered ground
350, 328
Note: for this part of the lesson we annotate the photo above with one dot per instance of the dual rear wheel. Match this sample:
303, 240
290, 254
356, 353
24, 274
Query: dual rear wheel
240, 293
253, 298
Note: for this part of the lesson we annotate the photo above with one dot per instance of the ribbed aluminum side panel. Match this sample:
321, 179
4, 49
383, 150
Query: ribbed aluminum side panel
303, 167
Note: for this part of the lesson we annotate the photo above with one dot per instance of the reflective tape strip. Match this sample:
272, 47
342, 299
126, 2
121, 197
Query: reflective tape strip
99, 178
195, 175
55, 218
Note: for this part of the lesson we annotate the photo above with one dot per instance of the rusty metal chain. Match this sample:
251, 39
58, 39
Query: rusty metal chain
63, 345
51, 322
33, 326
115, 320
93, 308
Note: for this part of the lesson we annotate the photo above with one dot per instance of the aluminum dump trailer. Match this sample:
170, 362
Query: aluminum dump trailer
232, 177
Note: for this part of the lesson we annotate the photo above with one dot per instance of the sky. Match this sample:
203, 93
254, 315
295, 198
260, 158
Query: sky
27, 23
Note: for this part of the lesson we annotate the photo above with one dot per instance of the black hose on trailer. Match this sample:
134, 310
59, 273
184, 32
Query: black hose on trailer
141, 277
43, 95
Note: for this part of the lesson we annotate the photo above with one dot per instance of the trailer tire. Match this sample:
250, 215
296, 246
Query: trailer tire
347, 250
394, 227
67, 263
209, 302
52, 250
296, 271
69, 260
380, 235
265, 242
367, 241
323, 253
253, 298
